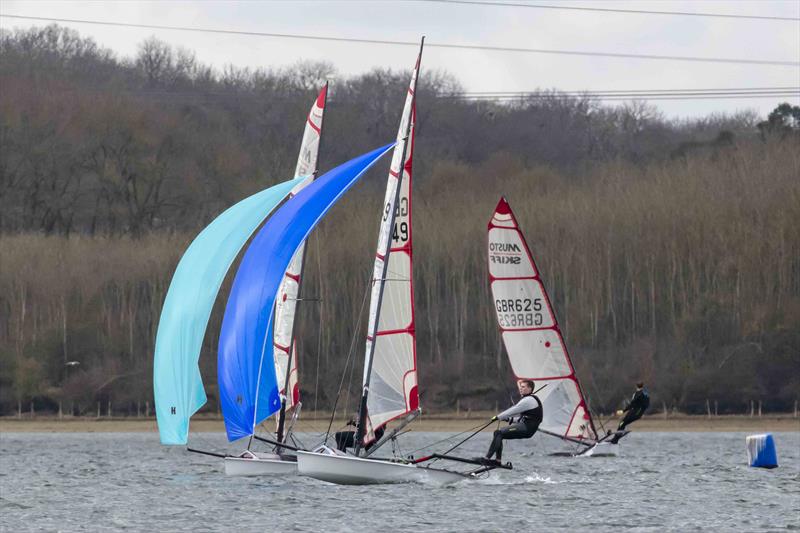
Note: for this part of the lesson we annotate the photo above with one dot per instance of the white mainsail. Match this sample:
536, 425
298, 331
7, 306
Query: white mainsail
286, 302
530, 331
390, 366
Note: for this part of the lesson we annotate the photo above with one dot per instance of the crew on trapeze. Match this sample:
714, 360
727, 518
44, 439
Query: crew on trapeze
526, 416
639, 403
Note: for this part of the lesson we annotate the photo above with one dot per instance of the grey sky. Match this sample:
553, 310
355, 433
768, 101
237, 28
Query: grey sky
478, 70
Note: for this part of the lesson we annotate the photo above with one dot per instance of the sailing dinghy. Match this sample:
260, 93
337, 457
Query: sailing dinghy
249, 391
532, 337
250, 462
390, 369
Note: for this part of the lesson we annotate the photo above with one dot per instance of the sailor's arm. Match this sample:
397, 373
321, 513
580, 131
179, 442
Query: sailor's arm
525, 404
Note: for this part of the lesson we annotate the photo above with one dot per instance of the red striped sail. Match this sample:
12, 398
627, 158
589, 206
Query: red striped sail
528, 325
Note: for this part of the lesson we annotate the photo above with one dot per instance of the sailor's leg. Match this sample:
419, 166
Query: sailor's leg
520, 430
497, 444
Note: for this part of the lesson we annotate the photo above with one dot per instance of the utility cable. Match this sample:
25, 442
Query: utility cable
616, 55
610, 10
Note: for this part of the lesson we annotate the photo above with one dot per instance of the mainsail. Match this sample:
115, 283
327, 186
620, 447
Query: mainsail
530, 331
286, 303
177, 384
390, 365
245, 366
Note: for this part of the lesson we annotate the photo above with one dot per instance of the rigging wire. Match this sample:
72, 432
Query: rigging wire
617, 55
347, 362
610, 10
446, 439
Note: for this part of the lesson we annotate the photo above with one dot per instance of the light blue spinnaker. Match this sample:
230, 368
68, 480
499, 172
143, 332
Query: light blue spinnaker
177, 384
245, 368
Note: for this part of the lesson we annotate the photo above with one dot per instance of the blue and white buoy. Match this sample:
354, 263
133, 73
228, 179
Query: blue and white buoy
761, 451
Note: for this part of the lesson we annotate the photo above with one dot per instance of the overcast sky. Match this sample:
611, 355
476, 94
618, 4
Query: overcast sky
483, 25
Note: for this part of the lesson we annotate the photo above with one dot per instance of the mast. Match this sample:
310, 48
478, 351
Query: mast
387, 229
307, 162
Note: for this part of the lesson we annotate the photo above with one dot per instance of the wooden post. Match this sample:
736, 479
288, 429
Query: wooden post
33, 413
138, 409
716, 412
458, 406
795, 408
759, 408
19, 408
666, 413
109, 409
98, 409
147, 408
60, 412
752, 408
708, 408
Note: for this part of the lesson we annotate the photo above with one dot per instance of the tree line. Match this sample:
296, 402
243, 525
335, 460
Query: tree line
670, 249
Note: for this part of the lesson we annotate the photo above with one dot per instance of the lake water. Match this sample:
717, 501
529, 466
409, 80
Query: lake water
661, 481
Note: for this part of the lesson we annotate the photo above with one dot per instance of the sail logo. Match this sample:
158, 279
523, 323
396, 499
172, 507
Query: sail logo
173, 411
503, 253
504, 247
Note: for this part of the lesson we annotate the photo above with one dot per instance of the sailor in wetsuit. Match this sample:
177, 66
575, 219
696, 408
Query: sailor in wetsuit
634, 411
347, 439
527, 414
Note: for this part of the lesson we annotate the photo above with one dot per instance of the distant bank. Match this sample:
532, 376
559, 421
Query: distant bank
439, 422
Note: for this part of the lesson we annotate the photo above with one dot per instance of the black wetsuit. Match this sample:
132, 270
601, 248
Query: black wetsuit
639, 404
347, 439
524, 428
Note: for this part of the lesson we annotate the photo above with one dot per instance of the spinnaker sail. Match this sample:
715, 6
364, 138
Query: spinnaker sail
177, 383
245, 366
530, 331
285, 351
390, 363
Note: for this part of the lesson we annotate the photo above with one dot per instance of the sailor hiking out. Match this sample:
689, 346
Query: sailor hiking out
526, 416
639, 403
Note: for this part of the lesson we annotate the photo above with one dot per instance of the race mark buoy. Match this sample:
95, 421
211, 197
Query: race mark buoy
761, 451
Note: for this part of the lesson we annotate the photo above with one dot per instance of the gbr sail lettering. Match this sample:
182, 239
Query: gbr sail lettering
519, 312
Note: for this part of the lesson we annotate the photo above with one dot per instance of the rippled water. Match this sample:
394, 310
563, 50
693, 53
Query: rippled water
661, 481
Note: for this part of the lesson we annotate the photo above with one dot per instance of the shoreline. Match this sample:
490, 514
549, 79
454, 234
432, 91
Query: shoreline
447, 422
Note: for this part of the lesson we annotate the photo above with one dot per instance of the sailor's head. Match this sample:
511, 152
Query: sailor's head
525, 386
640, 385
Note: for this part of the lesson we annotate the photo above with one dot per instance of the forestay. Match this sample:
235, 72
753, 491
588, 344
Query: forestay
245, 366
177, 383
390, 368
530, 331
286, 303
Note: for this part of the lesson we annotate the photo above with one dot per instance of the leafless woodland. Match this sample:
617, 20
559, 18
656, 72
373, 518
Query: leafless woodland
671, 250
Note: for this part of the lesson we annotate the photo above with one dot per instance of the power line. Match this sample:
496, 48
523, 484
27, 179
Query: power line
427, 44
609, 10
216, 97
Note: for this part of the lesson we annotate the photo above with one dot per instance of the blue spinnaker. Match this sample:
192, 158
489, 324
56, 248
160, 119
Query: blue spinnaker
177, 384
245, 368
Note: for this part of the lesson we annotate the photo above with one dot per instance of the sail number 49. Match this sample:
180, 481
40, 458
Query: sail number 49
519, 312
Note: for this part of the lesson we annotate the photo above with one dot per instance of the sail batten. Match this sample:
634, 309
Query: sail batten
530, 331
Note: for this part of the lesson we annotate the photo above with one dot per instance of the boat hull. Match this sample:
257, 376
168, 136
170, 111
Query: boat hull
262, 464
349, 470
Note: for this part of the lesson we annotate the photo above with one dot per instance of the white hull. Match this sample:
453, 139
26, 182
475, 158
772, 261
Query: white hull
349, 470
259, 465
